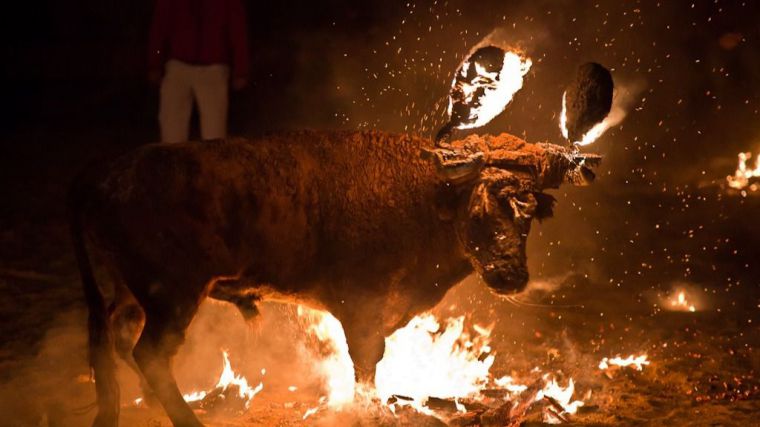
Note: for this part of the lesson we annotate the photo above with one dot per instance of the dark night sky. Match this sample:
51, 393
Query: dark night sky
74, 76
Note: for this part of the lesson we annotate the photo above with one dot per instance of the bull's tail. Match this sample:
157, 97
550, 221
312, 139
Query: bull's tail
101, 342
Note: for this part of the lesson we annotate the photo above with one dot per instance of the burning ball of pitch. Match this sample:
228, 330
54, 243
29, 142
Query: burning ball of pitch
588, 99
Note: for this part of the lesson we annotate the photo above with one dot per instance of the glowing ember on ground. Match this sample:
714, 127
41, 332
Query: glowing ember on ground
636, 362
680, 303
742, 176
311, 411
424, 359
194, 396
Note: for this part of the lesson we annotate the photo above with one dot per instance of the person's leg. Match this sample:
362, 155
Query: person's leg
176, 103
211, 88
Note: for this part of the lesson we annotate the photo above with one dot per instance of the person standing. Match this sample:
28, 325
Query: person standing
197, 50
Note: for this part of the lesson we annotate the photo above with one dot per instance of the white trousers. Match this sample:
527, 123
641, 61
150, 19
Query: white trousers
208, 85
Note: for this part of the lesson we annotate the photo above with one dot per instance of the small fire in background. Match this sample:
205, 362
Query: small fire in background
745, 178
232, 392
679, 302
635, 362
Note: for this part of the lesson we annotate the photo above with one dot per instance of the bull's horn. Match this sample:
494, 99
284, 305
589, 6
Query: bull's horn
581, 171
455, 166
588, 99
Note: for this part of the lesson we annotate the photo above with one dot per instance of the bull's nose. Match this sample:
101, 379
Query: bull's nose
506, 281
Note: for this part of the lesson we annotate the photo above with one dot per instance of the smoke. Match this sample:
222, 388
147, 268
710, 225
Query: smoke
51, 387
624, 98
54, 387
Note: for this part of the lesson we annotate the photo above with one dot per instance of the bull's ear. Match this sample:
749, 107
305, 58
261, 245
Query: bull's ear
455, 166
544, 206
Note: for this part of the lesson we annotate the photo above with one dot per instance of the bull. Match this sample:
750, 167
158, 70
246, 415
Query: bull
369, 226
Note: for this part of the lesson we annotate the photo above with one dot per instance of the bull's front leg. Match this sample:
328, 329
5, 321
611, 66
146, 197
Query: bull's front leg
366, 341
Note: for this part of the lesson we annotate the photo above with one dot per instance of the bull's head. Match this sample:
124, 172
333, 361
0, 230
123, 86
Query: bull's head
501, 179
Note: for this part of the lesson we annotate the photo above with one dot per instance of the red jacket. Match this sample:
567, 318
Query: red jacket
199, 32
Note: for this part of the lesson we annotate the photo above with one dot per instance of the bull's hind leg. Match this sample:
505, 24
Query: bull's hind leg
168, 312
127, 320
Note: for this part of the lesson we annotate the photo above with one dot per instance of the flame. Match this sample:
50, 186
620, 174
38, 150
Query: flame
227, 379
500, 87
563, 397
426, 358
194, 396
336, 366
680, 303
508, 383
422, 359
742, 175
563, 117
637, 362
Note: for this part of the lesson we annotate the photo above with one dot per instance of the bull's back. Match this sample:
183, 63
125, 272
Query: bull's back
274, 205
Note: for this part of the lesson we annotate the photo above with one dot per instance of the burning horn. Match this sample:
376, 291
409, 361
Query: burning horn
483, 85
588, 100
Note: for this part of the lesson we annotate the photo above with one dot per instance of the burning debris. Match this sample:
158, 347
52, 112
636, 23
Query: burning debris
586, 103
440, 369
483, 86
614, 363
424, 360
231, 395
744, 178
561, 405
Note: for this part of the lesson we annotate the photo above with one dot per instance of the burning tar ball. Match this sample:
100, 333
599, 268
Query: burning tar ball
483, 86
588, 99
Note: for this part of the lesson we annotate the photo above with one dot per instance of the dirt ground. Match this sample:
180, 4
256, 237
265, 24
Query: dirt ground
597, 292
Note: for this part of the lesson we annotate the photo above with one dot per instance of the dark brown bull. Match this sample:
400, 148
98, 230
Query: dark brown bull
356, 223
